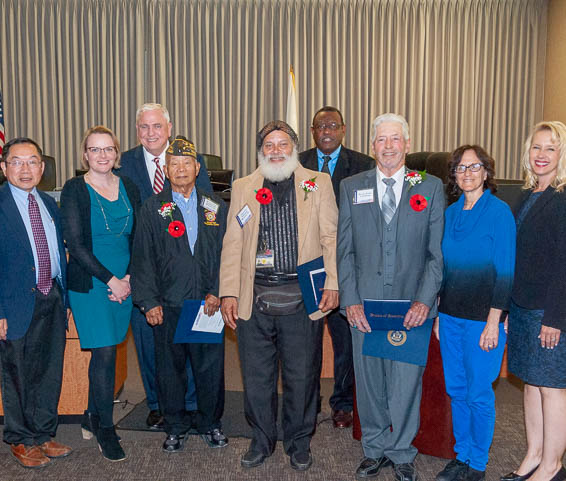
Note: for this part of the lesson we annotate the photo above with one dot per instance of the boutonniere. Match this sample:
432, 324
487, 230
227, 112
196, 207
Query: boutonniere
418, 202
414, 177
176, 228
264, 196
308, 186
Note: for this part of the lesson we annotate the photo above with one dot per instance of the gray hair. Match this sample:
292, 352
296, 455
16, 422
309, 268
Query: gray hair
151, 106
389, 117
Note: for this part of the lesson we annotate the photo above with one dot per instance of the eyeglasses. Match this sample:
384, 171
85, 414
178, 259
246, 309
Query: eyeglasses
98, 150
331, 126
33, 163
460, 169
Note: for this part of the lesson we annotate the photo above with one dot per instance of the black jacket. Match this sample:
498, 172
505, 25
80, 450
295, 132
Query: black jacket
349, 163
540, 266
164, 271
77, 231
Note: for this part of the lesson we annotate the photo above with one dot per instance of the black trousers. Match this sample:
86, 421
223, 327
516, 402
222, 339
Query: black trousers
207, 360
339, 329
32, 371
296, 342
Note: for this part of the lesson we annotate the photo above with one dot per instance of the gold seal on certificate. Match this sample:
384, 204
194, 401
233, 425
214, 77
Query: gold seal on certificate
396, 338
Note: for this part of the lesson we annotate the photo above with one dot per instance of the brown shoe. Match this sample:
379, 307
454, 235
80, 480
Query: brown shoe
53, 449
341, 419
29, 456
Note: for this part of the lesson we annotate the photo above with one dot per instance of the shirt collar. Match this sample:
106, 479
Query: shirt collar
333, 156
20, 194
149, 156
178, 198
398, 176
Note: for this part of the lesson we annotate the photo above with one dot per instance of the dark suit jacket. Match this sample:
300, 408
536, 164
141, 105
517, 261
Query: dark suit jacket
540, 267
133, 166
76, 219
162, 265
349, 163
17, 267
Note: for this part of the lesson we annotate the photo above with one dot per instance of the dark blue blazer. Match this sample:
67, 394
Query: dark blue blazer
17, 267
133, 166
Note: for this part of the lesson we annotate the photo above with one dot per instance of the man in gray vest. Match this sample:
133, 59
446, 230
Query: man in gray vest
389, 234
282, 215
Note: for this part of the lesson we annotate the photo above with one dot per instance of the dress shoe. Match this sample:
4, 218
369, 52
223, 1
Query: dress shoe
405, 472
451, 471
109, 444
215, 438
301, 460
471, 474
174, 443
53, 449
370, 467
560, 475
512, 476
252, 459
154, 419
341, 419
89, 425
29, 456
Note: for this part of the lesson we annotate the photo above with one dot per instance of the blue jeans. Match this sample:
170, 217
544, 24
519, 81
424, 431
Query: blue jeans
469, 373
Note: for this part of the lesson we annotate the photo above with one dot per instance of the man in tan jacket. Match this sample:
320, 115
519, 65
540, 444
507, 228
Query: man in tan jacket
281, 216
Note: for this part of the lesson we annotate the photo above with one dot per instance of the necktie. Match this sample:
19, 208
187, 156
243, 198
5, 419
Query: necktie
388, 206
325, 168
44, 281
159, 179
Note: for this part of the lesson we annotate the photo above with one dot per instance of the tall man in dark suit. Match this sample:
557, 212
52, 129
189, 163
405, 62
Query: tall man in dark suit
145, 165
330, 156
32, 308
389, 233
176, 257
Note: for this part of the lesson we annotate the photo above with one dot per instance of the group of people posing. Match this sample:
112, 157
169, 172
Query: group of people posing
144, 233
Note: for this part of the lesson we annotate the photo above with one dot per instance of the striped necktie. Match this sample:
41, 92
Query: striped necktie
388, 206
44, 281
159, 179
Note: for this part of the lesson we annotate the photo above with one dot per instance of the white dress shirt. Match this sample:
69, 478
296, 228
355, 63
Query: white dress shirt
150, 164
399, 177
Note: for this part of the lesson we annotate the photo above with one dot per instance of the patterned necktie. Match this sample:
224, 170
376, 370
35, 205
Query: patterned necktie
325, 168
388, 206
44, 281
159, 179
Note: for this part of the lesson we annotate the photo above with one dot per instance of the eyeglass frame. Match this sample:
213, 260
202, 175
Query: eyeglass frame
98, 150
334, 126
20, 162
471, 167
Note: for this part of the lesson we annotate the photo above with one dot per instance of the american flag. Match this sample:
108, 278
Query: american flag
2, 137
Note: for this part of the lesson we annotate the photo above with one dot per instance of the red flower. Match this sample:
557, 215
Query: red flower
264, 196
418, 202
176, 228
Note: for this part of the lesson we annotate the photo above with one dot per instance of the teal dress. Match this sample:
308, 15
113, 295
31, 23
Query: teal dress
100, 321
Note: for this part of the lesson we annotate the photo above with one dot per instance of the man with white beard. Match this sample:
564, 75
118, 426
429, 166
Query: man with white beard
282, 215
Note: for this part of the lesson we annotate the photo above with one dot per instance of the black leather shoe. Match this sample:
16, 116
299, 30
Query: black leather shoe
252, 459
301, 461
405, 472
154, 419
215, 438
174, 443
471, 474
560, 475
370, 467
451, 471
512, 476
109, 444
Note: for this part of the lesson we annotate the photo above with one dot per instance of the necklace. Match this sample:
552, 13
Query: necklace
96, 194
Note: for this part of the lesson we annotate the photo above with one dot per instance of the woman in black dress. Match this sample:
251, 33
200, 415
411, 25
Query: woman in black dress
537, 317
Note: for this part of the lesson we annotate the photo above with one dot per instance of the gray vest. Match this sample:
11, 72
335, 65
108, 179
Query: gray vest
389, 251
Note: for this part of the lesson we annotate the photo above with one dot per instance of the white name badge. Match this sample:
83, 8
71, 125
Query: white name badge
363, 196
244, 215
209, 204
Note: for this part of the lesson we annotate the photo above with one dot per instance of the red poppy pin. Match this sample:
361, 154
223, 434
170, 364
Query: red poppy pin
264, 196
418, 202
176, 228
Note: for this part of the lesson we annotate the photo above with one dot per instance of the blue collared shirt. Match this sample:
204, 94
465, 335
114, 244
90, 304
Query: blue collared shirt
21, 198
188, 208
331, 163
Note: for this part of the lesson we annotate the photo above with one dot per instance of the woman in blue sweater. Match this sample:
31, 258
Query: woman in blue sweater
479, 256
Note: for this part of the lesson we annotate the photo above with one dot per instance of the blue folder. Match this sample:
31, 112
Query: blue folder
185, 334
311, 283
386, 315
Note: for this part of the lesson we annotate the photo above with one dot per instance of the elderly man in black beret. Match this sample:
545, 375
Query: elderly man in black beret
281, 216
176, 257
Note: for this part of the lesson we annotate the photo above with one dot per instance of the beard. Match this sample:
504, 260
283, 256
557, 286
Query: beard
278, 171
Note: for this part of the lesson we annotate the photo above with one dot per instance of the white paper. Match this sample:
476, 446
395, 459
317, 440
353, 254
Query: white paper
206, 323
312, 274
